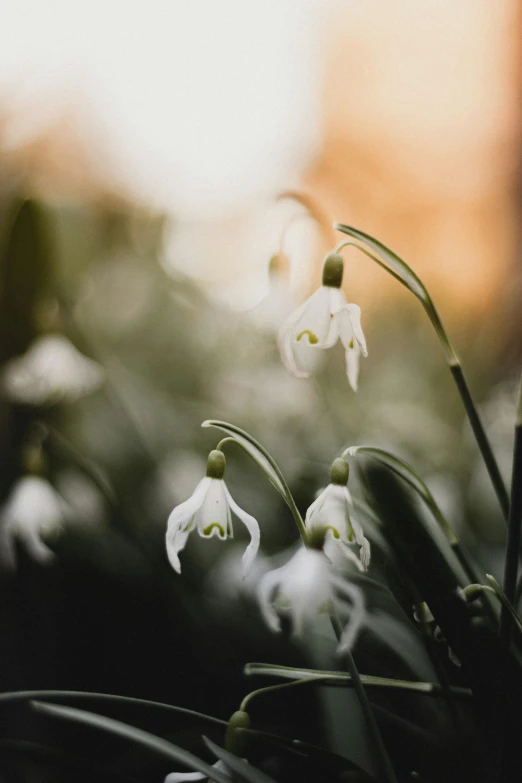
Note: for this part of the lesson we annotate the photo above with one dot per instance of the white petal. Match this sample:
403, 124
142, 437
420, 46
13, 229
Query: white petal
352, 366
315, 507
354, 313
181, 523
345, 550
34, 545
252, 526
347, 496
266, 589
355, 622
330, 513
316, 319
286, 337
213, 516
337, 299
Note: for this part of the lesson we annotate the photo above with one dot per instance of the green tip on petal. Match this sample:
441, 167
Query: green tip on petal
333, 270
235, 740
339, 472
216, 464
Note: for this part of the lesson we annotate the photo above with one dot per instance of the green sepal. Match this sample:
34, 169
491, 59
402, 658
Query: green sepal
339, 472
333, 269
235, 740
216, 464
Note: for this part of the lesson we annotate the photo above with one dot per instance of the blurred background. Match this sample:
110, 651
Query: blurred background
142, 150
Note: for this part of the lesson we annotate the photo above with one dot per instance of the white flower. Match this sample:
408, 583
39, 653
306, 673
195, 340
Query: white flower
181, 777
51, 371
208, 511
330, 515
305, 586
33, 510
323, 319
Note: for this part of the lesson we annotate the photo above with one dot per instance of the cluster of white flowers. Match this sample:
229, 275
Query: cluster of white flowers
308, 583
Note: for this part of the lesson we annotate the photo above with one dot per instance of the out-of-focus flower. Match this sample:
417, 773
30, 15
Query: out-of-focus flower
51, 371
33, 510
323, 319
329, 515
304, 587
181, 777
208, 511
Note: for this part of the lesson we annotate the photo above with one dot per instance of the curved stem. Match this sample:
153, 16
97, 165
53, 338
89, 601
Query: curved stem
313, 209
278, 687
414, 284
298, 519
386, 767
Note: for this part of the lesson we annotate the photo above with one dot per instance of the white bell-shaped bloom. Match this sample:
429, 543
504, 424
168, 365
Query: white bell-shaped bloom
181, 777
33, 510
330, 515
322, 320
304, 587
209, 511
51, 371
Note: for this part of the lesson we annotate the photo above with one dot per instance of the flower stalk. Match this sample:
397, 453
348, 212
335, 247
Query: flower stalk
395, 266
514, 525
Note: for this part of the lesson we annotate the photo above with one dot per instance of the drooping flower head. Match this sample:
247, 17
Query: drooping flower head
322, 320
304, 587
52, 370
209, 511
331, 515
33, 511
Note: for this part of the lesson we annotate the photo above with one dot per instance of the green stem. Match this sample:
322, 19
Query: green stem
481, 438
298, 519
343, 679
278, 687
514, 522
386, 768
396, 267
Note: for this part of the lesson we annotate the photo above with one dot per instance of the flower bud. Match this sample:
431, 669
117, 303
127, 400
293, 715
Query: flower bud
333, 270
339, 472
216, 464
235, 740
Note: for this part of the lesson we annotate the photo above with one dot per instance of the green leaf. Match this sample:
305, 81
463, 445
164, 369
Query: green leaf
406, 472
389, 261
255, 450
109, 698
244, 770
267, 464
137, 736
400, 270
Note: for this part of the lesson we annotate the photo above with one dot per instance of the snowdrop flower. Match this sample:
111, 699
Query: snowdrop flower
305, 586
181, 777
329, 515
208, 511
33, 510
323, 319
51, 371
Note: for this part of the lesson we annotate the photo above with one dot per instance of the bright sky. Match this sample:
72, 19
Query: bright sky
201, 106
